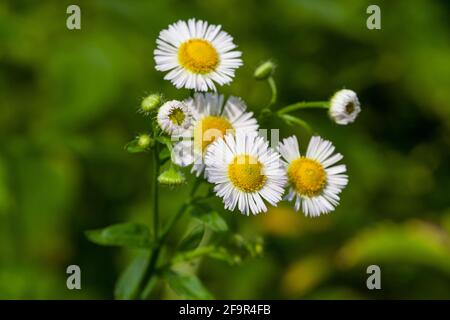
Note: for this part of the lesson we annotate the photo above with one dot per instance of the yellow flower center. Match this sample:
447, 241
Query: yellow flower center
350, 107
208, 130
177, 116
198, 56
307, 176
246, 174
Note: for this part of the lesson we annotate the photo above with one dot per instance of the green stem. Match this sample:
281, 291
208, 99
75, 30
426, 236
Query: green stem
304, 105
267, 111
181, 211
159, 243
172, 222
157, 247
156, 193
150, 271
273, 88
294, 120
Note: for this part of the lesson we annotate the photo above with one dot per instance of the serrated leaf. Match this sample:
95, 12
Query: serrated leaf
187, 286
128, 284
193, 239
123, 234
212, 219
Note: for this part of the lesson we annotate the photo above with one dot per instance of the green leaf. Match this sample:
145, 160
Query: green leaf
187, 286
164, 155
128, 284
124, 234
150, 286
193, 239
212, 219
134, 147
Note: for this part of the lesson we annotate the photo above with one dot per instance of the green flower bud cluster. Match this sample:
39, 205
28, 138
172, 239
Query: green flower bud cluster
151, 102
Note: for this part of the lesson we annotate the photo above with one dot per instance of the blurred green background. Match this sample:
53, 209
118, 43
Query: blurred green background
68, 102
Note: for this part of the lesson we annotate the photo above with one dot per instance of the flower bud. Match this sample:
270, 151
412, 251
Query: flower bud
264, 71
151, 102
344, 107
141, 143
144, 140
171, 177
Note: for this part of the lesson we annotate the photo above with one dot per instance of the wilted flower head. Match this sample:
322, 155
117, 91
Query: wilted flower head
344, 107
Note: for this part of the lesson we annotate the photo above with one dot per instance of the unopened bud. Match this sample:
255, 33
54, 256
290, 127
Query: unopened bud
171, 177
264, 71
144, 140
151, 102
344, 107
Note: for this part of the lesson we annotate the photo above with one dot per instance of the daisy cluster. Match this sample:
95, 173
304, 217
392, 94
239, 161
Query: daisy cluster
218, 137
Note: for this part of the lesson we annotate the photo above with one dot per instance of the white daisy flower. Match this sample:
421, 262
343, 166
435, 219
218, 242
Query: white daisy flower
314, 182
344, 107
174, 117
211, 119
245, 171
196, 55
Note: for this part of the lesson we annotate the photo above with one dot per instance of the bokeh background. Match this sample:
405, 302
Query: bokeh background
68, 102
